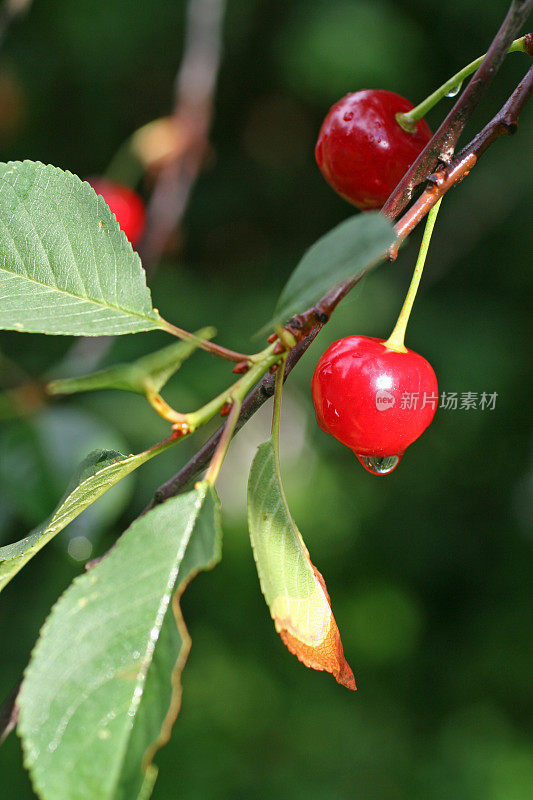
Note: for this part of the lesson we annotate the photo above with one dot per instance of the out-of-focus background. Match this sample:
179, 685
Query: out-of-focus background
429, 569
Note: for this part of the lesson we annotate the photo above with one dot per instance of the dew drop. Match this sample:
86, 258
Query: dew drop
454, 91
379, 465
348, 116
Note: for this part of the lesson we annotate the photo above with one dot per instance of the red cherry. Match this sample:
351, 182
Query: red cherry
374, 400
362, 150
125, 204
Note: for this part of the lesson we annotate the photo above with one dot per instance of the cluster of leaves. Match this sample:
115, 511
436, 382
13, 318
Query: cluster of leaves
115, 641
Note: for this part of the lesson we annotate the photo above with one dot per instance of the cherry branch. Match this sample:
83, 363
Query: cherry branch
306, 326
504, 122
442, 145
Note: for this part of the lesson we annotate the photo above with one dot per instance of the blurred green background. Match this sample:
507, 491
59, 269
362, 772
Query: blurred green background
429, 569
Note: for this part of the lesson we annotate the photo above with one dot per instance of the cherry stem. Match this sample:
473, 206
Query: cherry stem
204, 344
408, 119
397, 337
223, 443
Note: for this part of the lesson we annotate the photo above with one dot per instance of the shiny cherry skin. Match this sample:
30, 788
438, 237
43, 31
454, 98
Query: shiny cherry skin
374, 400
362, 151
125, 204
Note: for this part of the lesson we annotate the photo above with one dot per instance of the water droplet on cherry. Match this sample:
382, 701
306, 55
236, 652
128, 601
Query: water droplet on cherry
379, 465
454, 91
348, 116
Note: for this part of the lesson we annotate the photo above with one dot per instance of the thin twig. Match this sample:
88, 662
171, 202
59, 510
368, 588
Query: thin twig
505, 121
442, 145
193, 109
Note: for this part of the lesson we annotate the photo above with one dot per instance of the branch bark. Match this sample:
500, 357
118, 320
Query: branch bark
442, 145
503, 123
9, 712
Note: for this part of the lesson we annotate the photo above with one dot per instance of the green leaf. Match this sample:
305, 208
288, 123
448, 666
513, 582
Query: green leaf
102, 690
294, 590
345, 253
65, 266
96, 474
149, 373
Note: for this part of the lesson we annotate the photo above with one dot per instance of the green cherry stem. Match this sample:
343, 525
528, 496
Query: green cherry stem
396, 339
409, 119
223, 443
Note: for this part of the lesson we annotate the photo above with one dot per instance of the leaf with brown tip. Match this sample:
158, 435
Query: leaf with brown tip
294, 590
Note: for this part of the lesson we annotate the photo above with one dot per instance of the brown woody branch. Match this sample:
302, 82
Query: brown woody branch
442, 145
505, 122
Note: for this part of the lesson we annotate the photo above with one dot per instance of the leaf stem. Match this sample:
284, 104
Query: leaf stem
396, 339
163, 408
204, 344
408, 119
223, 443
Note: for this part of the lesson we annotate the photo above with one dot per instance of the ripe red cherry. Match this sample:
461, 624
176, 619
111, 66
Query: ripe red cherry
374, 400
362, 150
125, 204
